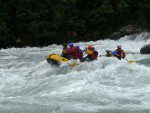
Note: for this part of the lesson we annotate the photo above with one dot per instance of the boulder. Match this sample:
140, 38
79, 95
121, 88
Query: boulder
145, 49
126, 30
115, 36
129, 29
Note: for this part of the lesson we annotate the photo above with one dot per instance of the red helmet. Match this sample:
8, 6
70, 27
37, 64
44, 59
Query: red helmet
91, 48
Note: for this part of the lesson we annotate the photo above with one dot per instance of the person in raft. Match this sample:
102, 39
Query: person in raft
120, 54
74, 53
92, 54
109, 53
64, 51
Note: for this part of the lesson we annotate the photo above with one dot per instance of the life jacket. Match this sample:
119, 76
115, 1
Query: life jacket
120, 52
74, 53
65, 53
88, 52
94, 55
80, 53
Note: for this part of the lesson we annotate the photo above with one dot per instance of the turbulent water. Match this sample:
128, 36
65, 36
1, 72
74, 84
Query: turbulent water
28, 84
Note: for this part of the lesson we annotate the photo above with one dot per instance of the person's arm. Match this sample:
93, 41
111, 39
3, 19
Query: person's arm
119, 57
122, 53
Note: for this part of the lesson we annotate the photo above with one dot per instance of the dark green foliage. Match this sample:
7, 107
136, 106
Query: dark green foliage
44, 22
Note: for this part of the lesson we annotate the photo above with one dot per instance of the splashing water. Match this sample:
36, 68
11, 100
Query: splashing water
28, 84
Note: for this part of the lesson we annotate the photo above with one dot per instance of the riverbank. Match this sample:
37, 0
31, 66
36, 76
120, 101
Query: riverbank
44, 40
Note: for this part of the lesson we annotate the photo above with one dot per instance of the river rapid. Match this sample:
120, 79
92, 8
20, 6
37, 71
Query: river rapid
28, 84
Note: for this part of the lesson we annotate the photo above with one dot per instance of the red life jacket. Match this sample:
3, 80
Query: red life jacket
120, 52
94, 55
79, 53
74, 53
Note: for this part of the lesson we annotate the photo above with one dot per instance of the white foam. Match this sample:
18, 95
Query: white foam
27, 79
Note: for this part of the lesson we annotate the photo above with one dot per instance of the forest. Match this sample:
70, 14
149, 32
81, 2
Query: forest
44, 22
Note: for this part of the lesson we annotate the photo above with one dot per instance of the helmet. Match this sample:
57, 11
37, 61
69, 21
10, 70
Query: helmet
90, 48
107, 50
118, 46
64, 45
77, 47
70, 44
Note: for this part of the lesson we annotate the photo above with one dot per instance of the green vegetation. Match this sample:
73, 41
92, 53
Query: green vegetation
43, 22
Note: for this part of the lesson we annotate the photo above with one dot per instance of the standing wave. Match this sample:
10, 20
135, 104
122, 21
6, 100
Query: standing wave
28, 84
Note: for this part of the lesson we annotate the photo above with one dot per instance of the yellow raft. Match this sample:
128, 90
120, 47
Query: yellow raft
55, 59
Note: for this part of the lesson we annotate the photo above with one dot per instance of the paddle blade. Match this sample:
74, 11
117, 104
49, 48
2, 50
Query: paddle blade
131, 61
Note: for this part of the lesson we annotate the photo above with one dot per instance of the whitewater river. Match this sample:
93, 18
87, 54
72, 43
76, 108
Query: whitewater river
28, 84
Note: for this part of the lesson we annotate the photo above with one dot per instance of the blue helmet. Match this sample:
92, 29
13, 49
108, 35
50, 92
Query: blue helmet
70, 44
78, 47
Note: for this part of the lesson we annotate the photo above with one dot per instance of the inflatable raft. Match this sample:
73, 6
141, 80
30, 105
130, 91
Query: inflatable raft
55, 59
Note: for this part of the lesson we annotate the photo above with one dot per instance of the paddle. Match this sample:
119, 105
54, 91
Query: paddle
131, 61
114, 53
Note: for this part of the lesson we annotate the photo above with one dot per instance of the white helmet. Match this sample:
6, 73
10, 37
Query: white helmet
118, 46
107, 49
